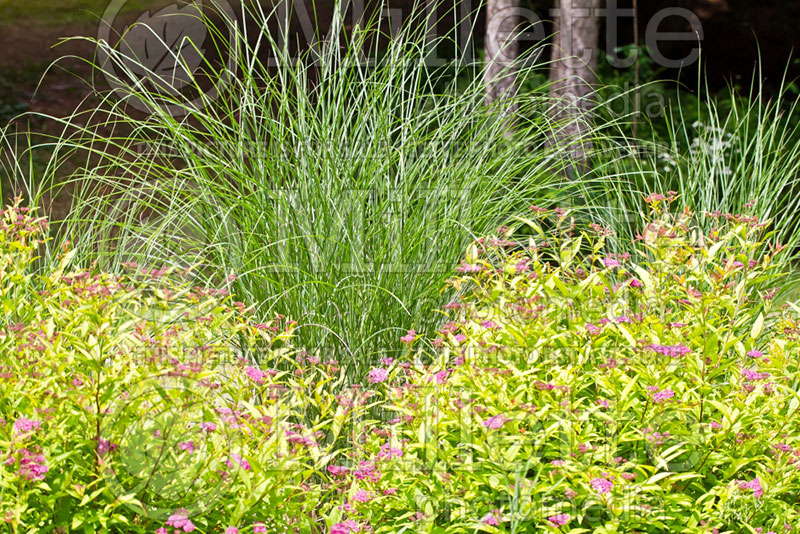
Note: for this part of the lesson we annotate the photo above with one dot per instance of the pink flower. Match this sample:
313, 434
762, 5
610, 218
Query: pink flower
495, 422
390, 491
231, 530
32, 466
673, 351
161, 530
387, 362
559, 520
244, 464
77, 382
208, 426
570, 493
602, 485
345, 527
366, 470
751, 375
490, 325
635, 282
337, 471
389, 452
410, 336
441, 377
24, 425
104, 446
754, 485
610, 263
180, 520
654, 197
378, 375
755, 353
663, 396
469, 268
187, 446
362, 496
592, 329
492, 518
256, 375
259, 528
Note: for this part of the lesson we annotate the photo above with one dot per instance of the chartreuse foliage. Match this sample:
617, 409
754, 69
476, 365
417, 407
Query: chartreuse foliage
570, 390
126, 400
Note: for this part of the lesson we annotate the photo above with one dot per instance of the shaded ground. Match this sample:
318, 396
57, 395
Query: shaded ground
26, 54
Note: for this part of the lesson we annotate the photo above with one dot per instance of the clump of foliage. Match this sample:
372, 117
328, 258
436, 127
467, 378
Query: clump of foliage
127, 403
570, 390
577, 390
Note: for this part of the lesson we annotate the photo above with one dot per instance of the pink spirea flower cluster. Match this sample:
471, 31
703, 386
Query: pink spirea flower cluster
559, 520
105, 446
180, 520
755, 486
362, 496
469, 268
492, 518
257, 375
378, 375
338, 470
410, 336
23, 425
208, 426
367, 471
388, 452
31, 466
345, 527
441, 377
602, 485
244, 464
662, 396
187, 446
673, 351
495, 422
754, 376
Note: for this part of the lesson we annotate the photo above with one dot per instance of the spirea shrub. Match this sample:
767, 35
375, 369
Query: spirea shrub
130, 403
569, 390
578, 390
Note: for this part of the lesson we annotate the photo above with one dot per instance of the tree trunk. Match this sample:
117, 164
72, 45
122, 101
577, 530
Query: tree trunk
501, 49
573, 77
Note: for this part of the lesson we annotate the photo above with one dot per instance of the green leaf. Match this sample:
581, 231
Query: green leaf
758, 326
